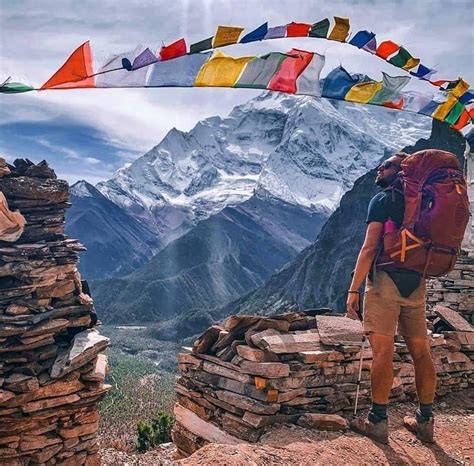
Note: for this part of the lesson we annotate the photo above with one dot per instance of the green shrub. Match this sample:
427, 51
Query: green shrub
151, 434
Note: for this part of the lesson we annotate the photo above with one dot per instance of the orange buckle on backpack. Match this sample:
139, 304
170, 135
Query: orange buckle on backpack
404, 233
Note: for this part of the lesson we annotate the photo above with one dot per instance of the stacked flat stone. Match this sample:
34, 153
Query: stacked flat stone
240, 378
52, 370
456, 289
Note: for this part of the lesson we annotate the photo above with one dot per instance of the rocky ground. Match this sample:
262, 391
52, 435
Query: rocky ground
293, 445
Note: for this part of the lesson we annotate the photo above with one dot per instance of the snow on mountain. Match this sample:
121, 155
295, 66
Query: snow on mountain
300, 149
81, 189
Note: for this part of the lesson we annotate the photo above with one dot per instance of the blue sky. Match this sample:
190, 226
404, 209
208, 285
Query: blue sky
90, 133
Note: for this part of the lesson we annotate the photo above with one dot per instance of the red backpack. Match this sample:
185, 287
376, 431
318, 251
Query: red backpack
436, 215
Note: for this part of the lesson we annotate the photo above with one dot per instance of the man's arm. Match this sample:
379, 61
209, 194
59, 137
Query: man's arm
366, 256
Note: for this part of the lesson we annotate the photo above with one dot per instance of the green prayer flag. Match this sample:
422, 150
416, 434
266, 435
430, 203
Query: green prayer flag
15, 88
205, 44
320, 29
401, 58
455, 113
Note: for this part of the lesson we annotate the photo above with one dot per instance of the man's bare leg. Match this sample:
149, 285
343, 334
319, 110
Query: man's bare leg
381, 374
425, 374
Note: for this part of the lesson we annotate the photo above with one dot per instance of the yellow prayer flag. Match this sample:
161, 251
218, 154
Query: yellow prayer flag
411, 63
442, 111
340, 31
226, 35
461, 87
363, 92
221, 71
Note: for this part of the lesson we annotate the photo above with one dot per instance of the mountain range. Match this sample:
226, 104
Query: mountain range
211, 214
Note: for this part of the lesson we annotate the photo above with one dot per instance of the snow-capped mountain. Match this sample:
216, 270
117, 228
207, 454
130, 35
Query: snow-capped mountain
300, 149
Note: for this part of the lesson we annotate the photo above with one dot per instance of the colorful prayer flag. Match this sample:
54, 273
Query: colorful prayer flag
338, 83
361, 38
422, 72
14, 88
455, 113
363, 92
443, 110
467, 97
387, 48
371, 46
226, 35
257, 34
174, 50
307, 82
276, 32
258, 72
285, 78
320, 29
221, 71
463, 120
179, 72
76, 71
297, 29
391, 86
147, 57
402, 58
201, 46
340, 31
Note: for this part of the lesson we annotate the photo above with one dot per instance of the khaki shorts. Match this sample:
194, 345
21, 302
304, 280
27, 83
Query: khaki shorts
384, 308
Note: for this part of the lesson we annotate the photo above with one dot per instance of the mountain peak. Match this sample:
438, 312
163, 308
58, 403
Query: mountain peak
83, 189
301, 149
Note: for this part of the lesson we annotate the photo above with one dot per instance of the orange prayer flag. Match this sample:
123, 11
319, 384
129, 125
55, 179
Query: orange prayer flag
76, 71
397, 105
462, 121
387, 48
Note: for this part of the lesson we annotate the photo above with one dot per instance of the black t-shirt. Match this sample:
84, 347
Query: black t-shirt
382, 207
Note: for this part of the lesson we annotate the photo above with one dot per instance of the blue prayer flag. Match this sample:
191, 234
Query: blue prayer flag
421, 71
338, 83
257, 34
362, 38
467, 97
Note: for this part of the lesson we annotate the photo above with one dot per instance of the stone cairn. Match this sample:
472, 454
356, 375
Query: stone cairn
456, 289
51, 367
300, 367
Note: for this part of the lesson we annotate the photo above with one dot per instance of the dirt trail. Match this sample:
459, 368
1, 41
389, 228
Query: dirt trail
293, 445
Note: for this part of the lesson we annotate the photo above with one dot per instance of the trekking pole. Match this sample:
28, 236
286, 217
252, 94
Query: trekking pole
362, 348
364, 341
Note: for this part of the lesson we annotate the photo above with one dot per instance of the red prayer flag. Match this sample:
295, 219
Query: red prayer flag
174, 50
387, 48
297, 30
440, 82
76, 72
462, 121
290, 69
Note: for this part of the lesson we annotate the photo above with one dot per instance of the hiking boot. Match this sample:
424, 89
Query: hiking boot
422, 428
377, 431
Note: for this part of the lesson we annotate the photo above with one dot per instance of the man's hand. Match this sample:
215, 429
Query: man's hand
353, 306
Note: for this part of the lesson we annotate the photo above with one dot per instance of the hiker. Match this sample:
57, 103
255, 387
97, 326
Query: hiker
393, 298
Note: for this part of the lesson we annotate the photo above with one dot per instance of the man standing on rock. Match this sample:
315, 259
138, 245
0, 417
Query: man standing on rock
392, 298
